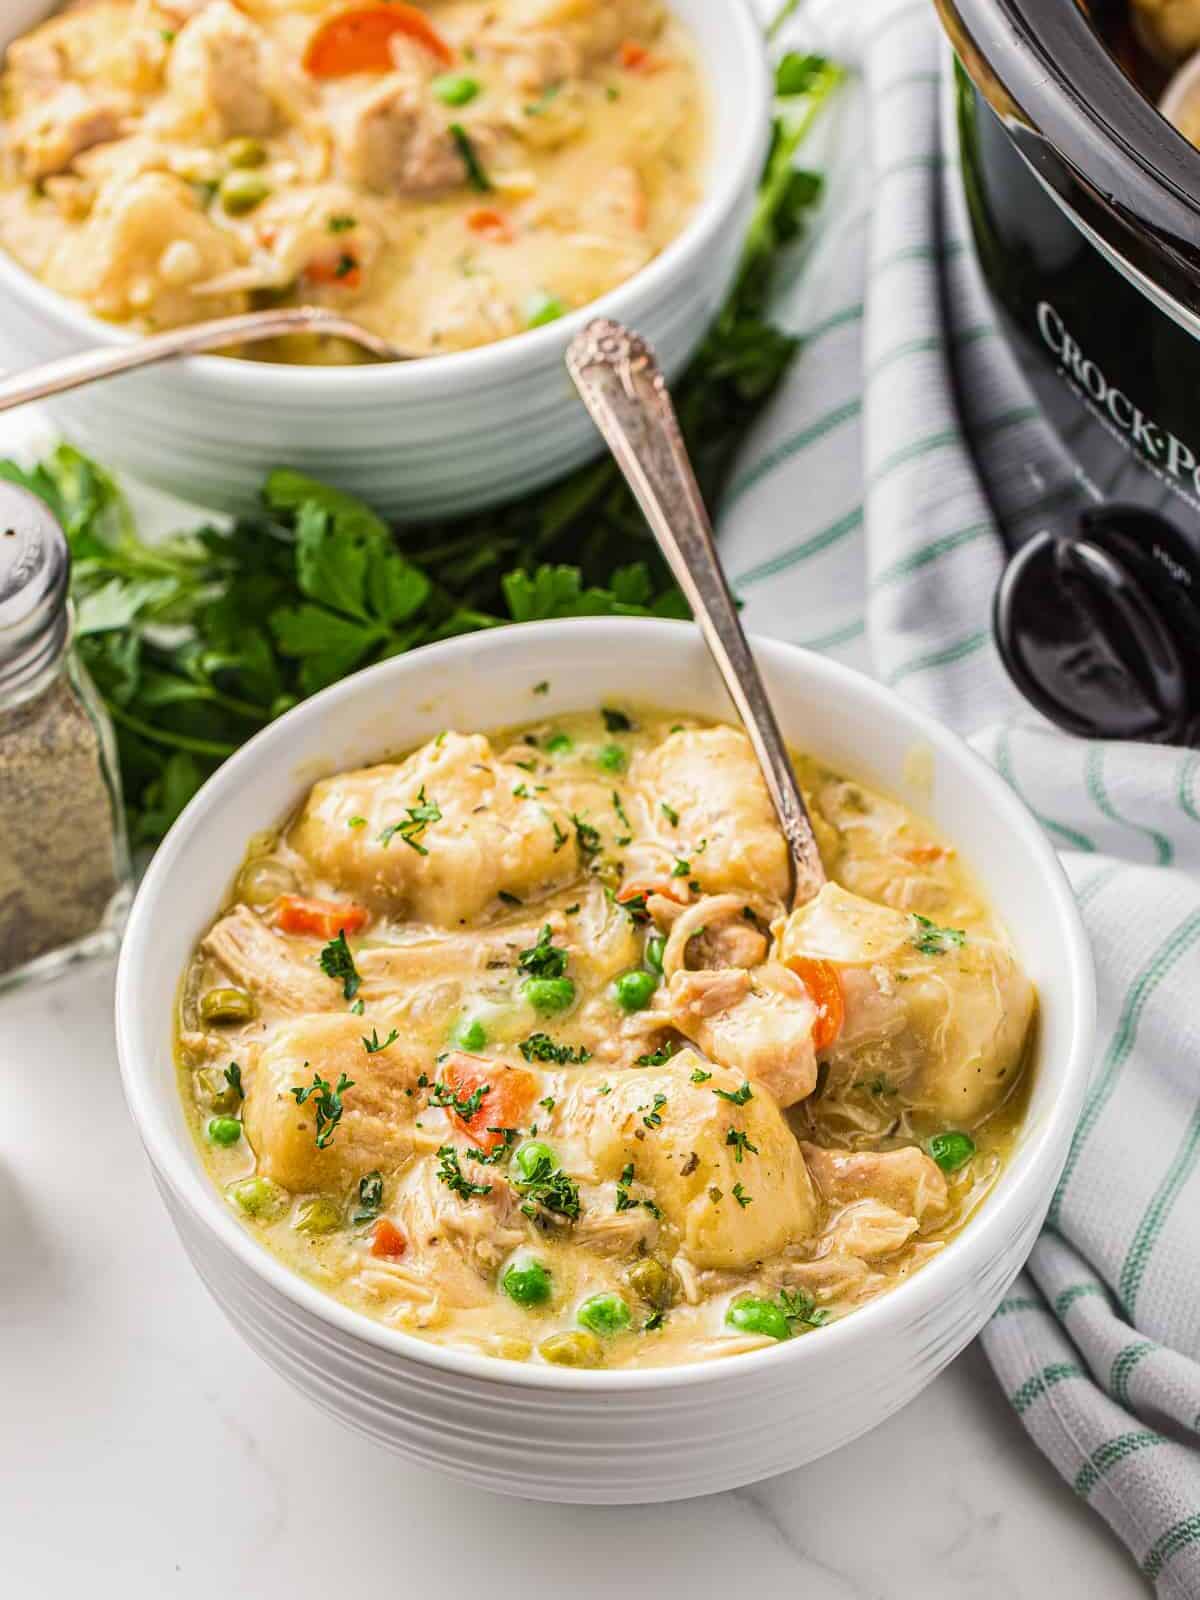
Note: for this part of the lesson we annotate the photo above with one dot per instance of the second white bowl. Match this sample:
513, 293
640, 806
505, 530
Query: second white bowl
435, 437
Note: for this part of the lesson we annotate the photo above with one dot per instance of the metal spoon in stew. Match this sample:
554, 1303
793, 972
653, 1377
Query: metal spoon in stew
72, 372
622, 385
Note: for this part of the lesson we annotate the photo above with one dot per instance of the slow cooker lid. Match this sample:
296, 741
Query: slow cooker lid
1088, 131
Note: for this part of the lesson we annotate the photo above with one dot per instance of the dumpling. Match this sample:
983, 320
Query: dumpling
939, 1015
439, 837
689, 1147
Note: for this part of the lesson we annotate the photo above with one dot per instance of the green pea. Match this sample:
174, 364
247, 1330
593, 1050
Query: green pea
559, 744
751, 1315
227, 1005
246, 152
455, 88
541, 309
574, 1349
655, 945
951, 1150
652, 1281
633, 991
604, 1314
241, 191
533, 1156
549, 995
612, 758
470, 1034
321, 1215
527, 1282
224, 1130
260, 1198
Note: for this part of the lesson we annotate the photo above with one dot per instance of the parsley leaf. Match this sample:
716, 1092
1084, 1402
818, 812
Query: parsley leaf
740, 1143
463, 1105
545, 959
374, 1044
412, 829
737, 1097
660, 1057
326, 1102
541, 1047
931, 940
233, 1077
338, 963
546, 1188
615, 721
370, 1197
451, 1174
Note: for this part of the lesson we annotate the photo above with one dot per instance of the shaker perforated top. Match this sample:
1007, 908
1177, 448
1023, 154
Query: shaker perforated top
35, 566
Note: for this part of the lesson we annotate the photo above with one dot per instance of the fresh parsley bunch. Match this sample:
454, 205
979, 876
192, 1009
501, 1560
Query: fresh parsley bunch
197, 642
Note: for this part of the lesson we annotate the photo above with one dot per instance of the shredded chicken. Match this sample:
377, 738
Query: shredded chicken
269, 966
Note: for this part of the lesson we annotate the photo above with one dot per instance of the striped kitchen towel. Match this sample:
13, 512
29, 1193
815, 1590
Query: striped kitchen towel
859, 524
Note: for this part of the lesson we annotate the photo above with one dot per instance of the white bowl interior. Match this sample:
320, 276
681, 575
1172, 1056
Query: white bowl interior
486, 681
730, 42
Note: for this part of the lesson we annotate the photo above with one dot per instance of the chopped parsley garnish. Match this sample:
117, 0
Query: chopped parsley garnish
463, 1105
338, 963
547, 1104
545, 959
342, 223
546, 1187
636, 910
653, 1117
451, 1174
560, 838
615, 721
412, 829
346, 265
611, 758
522, 791
587, 836
741, 1143
699, 1075
370, 1197
356, 822
743, 1199
625, 1201
327, 1103
476, 176
547, 96
654, 1321
800, 1307
501, 1153
681, 868
670, 813
620, 810
374, 1044
508, 899
541, 1047
737, 1097
233, 1077
931, 940
543, 687
358, 1008
659, 1057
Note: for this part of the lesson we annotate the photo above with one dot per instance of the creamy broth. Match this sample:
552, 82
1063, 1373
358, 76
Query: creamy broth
450, 175
513, 1044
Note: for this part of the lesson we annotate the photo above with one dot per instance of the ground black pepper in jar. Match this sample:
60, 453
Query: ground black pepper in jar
64, 860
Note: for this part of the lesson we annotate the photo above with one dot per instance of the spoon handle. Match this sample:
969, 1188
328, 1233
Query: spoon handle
71, 372
623, 388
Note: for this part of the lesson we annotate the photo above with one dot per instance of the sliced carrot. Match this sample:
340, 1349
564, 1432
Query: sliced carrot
493, 225
635, 57
342, 271
360, 40
507, 1102
324, 918
824, 985
387, 1240
641, 888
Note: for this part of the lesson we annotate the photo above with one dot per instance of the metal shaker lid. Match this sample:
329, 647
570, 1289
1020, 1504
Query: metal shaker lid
35, 566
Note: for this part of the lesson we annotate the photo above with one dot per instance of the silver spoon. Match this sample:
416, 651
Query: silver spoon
622, 386
71, 372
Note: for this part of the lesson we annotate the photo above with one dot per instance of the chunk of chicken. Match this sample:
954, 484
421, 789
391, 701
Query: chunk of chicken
727, 831
220, 72
684, 1141
456, 1245
486, 839
390, 139
144, 245
906, 1180
376, 1126
942, 1016
757, 1023
49, 136
594, 29
277, 971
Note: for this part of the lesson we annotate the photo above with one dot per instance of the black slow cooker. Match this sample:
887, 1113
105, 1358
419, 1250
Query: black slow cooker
1085, 210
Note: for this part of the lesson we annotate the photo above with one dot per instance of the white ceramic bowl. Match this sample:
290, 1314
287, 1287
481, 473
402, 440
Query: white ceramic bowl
622, 1436
432, 437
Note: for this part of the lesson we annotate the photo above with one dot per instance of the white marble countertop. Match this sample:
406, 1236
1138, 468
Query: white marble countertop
146, 1452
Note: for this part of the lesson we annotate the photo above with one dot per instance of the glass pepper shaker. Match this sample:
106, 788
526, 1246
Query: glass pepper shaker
65, 878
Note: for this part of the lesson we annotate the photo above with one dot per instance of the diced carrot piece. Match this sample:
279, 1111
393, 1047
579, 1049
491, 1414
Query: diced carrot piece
635, 57
506, 1104
360, 40
323, 918
638, 888
343, 271
387, 1240
493, 225
922, 854
824, 985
